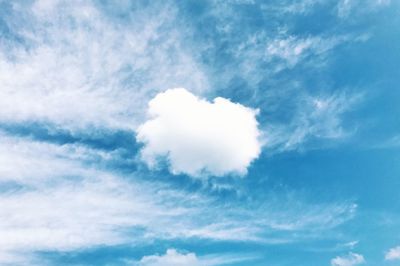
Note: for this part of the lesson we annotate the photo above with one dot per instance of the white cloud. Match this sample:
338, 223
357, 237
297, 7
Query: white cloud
393, 254
351, 244
171, 258
349, 260
199, 137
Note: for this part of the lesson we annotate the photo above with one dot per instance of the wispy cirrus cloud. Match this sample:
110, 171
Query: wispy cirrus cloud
291, 50
54, 192
78, 62
318, 117
264, 53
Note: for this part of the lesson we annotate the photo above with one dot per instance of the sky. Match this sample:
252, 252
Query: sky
200, 132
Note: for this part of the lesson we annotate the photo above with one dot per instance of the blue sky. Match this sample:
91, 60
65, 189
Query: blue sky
235, 132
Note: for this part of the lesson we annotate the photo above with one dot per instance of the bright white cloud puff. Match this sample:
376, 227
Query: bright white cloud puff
197, 137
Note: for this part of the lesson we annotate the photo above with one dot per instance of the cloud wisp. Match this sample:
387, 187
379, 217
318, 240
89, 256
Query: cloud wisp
393, 254
351, 259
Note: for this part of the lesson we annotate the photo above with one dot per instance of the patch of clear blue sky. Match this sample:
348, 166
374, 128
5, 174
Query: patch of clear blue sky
363, 166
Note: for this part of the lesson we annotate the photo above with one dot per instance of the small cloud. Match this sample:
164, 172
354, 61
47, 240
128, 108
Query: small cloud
351, 244
171, 258
393, 254
198, 137
349, 260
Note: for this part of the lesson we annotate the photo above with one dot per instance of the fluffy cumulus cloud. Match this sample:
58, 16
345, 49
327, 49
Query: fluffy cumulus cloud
349, 260
198, 137
393, 254
171, 258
